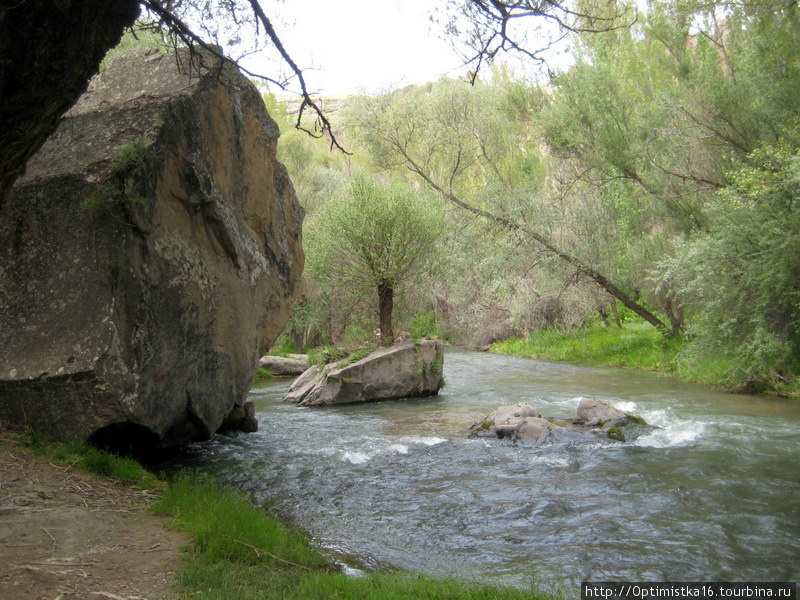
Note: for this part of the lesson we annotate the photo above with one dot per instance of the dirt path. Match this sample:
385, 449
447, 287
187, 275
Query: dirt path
67, 535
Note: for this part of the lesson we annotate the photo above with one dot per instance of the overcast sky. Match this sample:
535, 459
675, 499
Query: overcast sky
354, 46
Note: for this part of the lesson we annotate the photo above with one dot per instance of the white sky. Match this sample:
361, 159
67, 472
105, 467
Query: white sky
364, 46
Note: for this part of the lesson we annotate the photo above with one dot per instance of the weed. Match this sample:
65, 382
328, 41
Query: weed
615, 433
121, 469
264, 373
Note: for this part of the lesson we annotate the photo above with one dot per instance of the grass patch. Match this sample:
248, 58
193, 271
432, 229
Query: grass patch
635, 345
354, 356
264, 373
86, 457
243, 553
325, 355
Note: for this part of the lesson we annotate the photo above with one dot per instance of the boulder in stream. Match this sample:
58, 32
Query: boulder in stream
518, 421
407, 370
281, 366
521, 421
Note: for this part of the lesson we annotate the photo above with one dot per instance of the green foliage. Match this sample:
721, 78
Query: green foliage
282, 346
264, 373
354, 356
140, 35
635, 345
242, 553
425, 325
325, 355
116, 190
372, 233
615, 433
131, 156
82, 455
743, 276
637, 420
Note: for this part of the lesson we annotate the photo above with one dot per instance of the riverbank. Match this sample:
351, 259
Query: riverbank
81, 535
635, 345
69, 534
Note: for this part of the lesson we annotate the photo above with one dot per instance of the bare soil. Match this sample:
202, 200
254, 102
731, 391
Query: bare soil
68, 535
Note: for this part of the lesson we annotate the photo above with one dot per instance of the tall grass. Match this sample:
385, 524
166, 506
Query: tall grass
636, 344
242, 553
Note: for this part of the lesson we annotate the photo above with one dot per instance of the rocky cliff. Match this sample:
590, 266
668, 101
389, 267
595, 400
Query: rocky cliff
149, 256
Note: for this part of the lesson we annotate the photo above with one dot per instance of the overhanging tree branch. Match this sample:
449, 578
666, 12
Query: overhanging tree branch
186, 35
581, 267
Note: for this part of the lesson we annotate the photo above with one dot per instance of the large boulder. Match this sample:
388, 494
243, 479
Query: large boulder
150, 255
281, 366
406, 370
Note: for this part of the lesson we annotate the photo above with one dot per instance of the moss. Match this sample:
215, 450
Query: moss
264, 373
615, 433
354, 356
127, 160
636, 420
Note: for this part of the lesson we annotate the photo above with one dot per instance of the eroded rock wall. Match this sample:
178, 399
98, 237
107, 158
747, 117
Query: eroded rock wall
150, 255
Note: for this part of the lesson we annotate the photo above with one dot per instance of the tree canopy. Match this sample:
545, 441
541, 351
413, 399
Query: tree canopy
373, 237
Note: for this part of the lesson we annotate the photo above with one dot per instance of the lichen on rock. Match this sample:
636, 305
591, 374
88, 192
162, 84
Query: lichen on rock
151, 254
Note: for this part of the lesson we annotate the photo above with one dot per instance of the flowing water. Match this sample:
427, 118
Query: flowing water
712, 494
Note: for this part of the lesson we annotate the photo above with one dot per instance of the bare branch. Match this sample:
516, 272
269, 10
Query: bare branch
163, 10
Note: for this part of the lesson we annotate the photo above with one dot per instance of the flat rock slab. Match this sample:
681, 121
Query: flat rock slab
406, 370
283, 367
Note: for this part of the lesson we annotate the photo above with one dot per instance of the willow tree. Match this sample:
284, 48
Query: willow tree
373, 237
457, 141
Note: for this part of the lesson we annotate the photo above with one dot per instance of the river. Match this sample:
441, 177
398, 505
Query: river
712, 494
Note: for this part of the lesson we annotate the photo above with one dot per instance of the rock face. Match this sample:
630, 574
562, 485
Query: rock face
402, 371
283, 367
149, 256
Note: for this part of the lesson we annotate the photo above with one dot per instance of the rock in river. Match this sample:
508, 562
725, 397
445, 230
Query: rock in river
517, 422
521, 421
283, 366
149, 256
406, 370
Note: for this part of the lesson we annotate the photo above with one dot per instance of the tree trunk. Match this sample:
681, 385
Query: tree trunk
598, 277
614, 310
385, 307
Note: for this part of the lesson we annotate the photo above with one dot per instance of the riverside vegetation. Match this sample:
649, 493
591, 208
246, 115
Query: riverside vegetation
240, 552
658, 177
